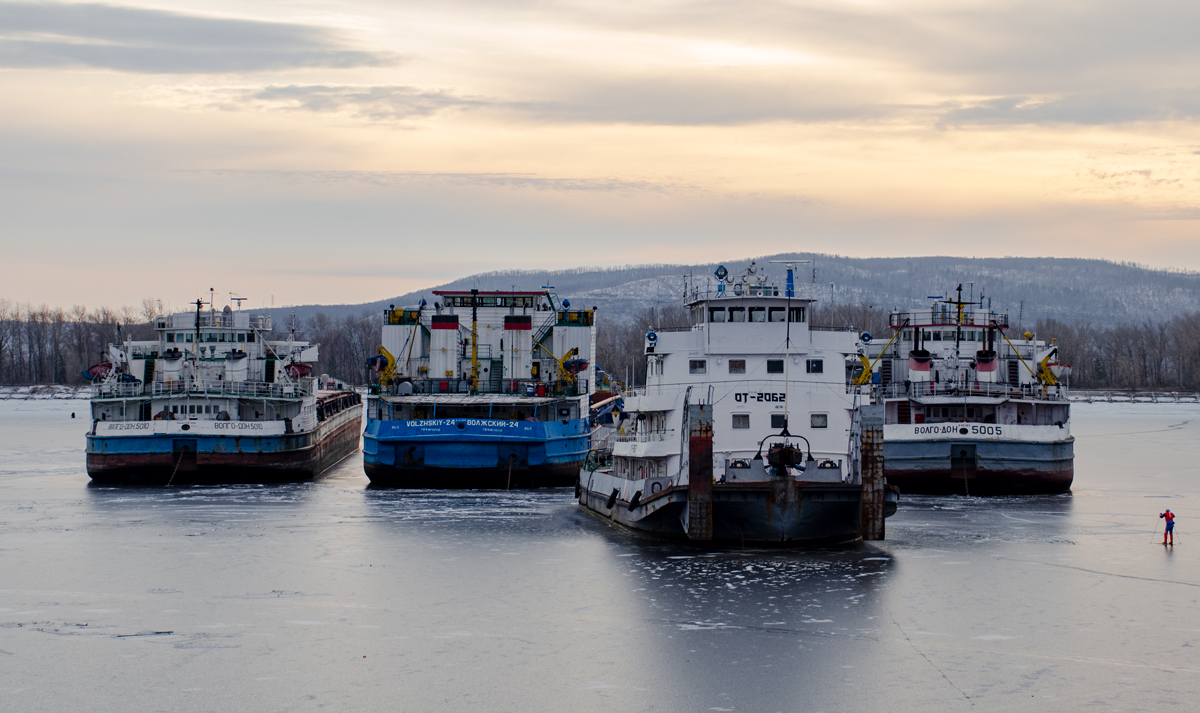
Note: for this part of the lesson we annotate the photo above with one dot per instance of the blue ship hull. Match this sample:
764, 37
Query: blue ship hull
474, 453
158, 459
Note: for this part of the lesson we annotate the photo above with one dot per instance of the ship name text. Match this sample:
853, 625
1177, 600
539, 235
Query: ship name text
745, 398
975, 429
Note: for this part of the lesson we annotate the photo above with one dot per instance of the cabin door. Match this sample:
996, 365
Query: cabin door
962, 460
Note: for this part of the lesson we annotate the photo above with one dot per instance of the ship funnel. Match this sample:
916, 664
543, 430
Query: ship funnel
443, 346
919, 359
518, 347
986, 363
237, 365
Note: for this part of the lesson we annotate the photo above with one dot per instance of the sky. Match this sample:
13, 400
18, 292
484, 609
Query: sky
341, 152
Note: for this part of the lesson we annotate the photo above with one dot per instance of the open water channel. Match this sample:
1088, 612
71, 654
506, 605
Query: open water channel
333, 596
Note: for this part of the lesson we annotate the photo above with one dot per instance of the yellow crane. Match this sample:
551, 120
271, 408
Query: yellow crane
563, 374
869, 366
389, 372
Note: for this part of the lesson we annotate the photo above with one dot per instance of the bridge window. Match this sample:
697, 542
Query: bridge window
797, 314
737, 314
716, 314
758, 314
697, 366
170, 337
815, 366
818, 420
737, 366
774, 366
741, 421
775, 314
778, 420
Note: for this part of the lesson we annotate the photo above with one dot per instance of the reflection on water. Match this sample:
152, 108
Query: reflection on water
332, 595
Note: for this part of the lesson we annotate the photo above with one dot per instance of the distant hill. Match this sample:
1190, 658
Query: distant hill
1067, 289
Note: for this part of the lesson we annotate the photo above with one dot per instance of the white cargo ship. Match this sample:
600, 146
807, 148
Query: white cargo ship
216, 398
969, 409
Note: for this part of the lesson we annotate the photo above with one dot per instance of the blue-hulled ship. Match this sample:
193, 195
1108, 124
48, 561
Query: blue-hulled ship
216, 398
483, 389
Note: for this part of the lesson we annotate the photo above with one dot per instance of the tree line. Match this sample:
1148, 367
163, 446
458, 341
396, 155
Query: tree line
1154, 355
51, 345
47, 345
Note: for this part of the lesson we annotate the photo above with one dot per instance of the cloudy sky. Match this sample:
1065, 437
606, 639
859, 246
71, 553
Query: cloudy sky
353, 150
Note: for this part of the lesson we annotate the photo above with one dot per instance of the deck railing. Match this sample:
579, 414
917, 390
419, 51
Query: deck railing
921, 389
182, 387
514, 387
655, 436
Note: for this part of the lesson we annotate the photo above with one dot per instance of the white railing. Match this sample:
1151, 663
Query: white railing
208, 319
801, 291
260, 389
646, 436
920, 389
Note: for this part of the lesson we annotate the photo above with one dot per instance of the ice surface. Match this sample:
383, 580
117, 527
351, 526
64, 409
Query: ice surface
334, 596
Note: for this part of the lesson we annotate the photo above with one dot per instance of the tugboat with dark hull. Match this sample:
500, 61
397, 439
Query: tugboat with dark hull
747, 431
215, 400
969, 410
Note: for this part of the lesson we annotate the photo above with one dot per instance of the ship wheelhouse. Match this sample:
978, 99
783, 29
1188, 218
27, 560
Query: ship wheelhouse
751, 355
210, 366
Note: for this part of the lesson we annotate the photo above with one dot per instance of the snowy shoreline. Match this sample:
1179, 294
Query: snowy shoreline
57, 392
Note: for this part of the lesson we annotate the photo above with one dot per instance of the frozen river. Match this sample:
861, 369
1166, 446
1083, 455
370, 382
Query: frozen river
330, 596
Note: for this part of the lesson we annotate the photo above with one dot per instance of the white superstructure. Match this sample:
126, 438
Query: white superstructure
751, 354
744, 430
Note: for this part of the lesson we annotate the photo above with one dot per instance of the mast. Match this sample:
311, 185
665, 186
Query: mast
958, 323
474, 339
196, 346
789, 292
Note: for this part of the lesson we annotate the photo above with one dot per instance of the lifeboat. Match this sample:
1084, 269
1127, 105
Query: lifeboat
297, 371
1059, 369
575, 366
378, 363
97, 371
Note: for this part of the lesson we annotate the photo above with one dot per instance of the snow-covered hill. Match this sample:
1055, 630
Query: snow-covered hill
1068, 289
